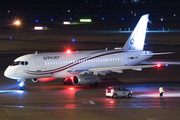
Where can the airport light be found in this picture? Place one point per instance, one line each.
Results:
(17, 22)
(162, 19)
(69, 23)
(40, 27)
(85, 20)
(73, 40)
(66, 23)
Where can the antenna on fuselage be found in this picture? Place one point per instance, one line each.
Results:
(36, 52)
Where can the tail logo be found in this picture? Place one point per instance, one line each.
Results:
(132, 41)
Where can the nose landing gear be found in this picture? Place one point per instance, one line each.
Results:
(21, 84)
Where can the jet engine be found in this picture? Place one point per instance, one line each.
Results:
(35, 80)
(85, 79)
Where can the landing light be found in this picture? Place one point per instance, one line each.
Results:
(21, 84)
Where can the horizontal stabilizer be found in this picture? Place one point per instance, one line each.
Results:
(159, 53)
(162, 63)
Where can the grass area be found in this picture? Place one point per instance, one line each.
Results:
(58, 37)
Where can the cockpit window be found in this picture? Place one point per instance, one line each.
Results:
(15, 63)
(22, 62)
(26, 63)
(19, 63)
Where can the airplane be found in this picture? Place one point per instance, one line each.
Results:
(83, 67)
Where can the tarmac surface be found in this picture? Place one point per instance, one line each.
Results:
(53, 100)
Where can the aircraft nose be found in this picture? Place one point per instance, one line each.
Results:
(8, 73)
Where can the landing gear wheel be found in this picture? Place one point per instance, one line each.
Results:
(22, 88)
(96, 84)
(67, 81)
(64, 82)
(129, 95)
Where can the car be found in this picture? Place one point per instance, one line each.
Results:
(115, 92)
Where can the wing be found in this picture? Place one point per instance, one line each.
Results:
(122, 68)
(104, 70)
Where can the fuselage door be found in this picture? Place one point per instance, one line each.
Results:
(38, 63)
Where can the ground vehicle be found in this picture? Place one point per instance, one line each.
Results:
(115, 92)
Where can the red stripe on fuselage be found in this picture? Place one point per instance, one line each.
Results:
(67, 66)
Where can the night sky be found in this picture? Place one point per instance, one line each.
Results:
(95, 9)
(81, 6)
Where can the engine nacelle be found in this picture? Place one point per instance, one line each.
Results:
(85, 79)
(35, 80)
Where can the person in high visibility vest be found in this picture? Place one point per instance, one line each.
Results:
(161, 91)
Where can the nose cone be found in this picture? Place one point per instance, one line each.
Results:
(8, 73)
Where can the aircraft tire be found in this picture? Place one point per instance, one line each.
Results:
(96, 84)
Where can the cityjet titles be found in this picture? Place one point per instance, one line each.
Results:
(51, 57)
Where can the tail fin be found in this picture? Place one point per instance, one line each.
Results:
(137, 37)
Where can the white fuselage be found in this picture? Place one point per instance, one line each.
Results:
(61, 64)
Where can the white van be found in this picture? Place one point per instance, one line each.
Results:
(115, 92)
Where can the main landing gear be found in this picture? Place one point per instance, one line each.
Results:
(96, 84)
(67, 81)
(21, 84)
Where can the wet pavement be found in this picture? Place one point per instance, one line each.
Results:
(83, 102)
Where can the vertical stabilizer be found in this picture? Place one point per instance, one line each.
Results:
(137, 37)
